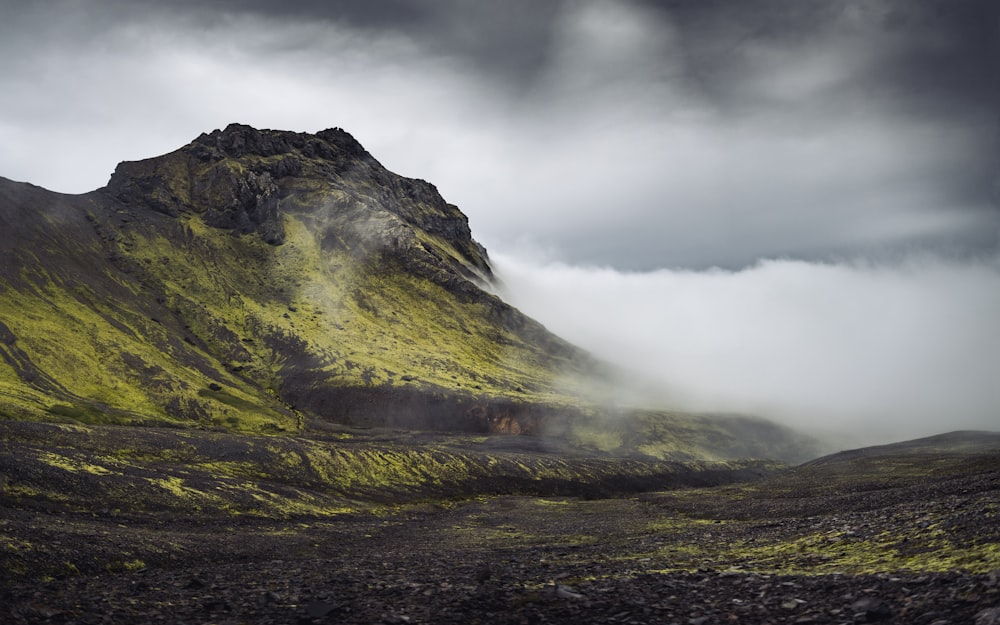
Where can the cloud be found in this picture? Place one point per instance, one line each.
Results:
(615, 133)
(877, 351)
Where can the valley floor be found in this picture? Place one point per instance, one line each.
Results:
(904, 538)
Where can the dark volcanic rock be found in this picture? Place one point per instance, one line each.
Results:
(677, 556)
(247, 203)
(239, 178)
(872, 609)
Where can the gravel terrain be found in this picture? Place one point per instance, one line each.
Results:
(912, 538)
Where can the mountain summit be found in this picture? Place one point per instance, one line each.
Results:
(245, 180)
(253, 278)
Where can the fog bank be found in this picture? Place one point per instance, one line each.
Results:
(878, 352)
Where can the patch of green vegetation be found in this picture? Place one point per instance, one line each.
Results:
(73, 465)
(828, 552)
(229, 399)
(15, 545)
(668, 434)
(689, 544)
(676, 524)
(672, 435)
(556, 503)
(591, 436)
(101, 354)
(67, 568)
(175, 486)
(81, 413)
(483, 534)
(304, 506)
(221, 474)
(821, 519)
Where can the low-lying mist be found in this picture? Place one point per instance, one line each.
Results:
(869, 352)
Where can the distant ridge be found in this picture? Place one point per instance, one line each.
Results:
(959, 442)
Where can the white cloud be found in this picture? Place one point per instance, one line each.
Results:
(152, 84)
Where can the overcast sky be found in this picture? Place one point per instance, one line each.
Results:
(781, 206)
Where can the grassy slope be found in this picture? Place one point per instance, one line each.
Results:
(108, 351)
(924, 505)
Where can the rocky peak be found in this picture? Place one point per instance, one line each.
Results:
(239, 140)
(244, 179)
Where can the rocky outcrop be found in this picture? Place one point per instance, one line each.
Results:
(244, 204)
(334, 145)
(242, 179)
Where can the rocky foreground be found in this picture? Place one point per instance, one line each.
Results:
(904, 535)
(446, 591)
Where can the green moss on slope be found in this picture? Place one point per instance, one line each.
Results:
(188, 323)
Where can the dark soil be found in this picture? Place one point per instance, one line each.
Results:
(911, 540)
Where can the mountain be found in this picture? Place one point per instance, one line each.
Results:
(263, 272)
(263, 280)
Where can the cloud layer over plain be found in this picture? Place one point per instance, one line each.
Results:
(881, 352)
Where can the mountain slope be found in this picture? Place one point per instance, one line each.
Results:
(258, 271)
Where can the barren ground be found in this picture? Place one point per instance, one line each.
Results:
(909, 535)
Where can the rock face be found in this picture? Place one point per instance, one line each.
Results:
(250, 204)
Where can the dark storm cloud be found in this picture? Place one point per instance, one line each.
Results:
(638, 134)
(508, 39)
(821, 106)
(930, 53)
(804, 111)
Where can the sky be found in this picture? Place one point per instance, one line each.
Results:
(785, 207)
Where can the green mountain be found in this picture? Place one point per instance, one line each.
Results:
(263, 281)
